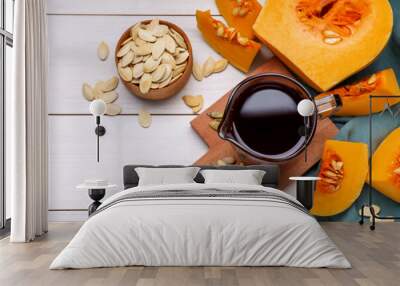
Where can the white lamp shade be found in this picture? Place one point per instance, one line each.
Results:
(97, 107)
(306, 107)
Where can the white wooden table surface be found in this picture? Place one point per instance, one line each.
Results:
(75, 28)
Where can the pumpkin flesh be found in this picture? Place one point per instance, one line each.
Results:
(237, 49)
(355, 97)
(240, 14)
(342, 177)
(325, 41)
(386, 166)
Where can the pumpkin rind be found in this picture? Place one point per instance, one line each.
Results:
(385, 166)
(243, 24)
(239, 55)
(332, 201)
(355, 97)
(303, 50)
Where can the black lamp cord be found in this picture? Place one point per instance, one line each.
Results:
(98, 136)
(306, 123)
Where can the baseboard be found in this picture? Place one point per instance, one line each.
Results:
(64, 216)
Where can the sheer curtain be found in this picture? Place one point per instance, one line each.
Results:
(27, 123)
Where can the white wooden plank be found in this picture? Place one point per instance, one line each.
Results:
(130, 7)
(72, 154)
(73, 60)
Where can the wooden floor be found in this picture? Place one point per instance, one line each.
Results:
(375, 257)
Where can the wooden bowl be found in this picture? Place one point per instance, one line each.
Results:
(171, 89)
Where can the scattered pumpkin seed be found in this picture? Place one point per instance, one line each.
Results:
(144, 118)
(113, 109)
(103, 51)
(214, 124)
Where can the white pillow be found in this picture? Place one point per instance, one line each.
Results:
(247, 177)
(165, 176)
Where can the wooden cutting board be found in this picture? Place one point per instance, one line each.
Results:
(219, 148)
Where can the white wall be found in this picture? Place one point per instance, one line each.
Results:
(75, 28)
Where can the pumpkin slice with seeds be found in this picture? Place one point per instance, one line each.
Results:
(240, 14)
(239, 50)
(343, 168)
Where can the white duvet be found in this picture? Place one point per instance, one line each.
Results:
(200, 231)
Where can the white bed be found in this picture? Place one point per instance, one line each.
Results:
(203, 230)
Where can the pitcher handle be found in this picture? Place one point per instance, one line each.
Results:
(328, 105)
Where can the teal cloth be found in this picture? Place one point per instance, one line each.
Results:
(356, 129)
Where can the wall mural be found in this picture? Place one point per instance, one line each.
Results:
(338, 52)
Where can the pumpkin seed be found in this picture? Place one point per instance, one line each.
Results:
(221, 163)
(139, 42)
(244, 41)
(220, 65)
(220, 31)
(110, 84)
(145, 58)
(87, 91)
(192, 100)
(208, 67)
(158, 48)
(165, 82)
(175, 77)
(170, 44)
(197, 71)
(372, 79)
(150, 64)
(154, 85)
(127, 41)
(160, 30)
(235, 11)
(153, 23)
(146, 35)
(103, 51)
(127, 58)
(168, 72)
(113, 109)
(332, 41)
(179, 68)
(216, 114)
(243, 11)
(99, 85)
(229, 160)
(138, 70)
(197, 108)
(125, 73)
(178, 38)
(145, 83)
(134, 31)
(182, 57)
(158, 74)
(109, 97)
(137, 59)
(214, 124)
(124, 50)
(142, 50)
(167, 58)
(144, 118)
(330, 34)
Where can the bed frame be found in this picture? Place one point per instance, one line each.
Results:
(271, 177)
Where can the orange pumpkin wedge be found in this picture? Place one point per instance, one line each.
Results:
(237, 49)
(325, 41)
(240, 14)
(386, 166)
(355, 97)
(344, 166)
